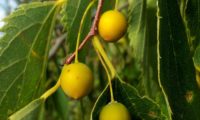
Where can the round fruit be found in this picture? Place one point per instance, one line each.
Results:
(112, 25)
(114, 111)
(76, 80)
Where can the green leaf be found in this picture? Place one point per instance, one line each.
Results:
(142, 33)
(23, 54)
(29, 112)
(108, 5)
(182, 7)
(196, 58)
(62, 104)
(138, 106)
(192, 17)
(140, 43)
(149, 80)
(149, 64)
(175, 66)
(72, 15)
(137, 35)
(137, 27)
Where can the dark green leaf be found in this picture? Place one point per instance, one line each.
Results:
(149, 65)
(23, 54)
(62, 104)
(139, 107)
(192, 16)
(176, 69)
(108, 5)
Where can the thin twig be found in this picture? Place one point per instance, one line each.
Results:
(58, 43)
(92, 32)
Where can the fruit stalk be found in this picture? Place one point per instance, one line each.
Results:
(80, 28)
(108, 75)
(110, 70)
(116, 3)
(99, 48)
(51, 91)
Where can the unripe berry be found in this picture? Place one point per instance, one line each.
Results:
(112, 25)
(114, 111)
(76, 80)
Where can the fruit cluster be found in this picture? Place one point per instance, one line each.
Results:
(76, 79)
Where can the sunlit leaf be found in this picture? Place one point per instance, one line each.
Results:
(23, 54)
(137, 27)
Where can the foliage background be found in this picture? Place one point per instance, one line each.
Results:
(154, 57)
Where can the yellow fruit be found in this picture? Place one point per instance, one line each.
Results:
(112, 25)
(114, 111)
(76, 80)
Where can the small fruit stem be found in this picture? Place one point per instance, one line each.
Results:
(116, 4)
(99, 51)
(108, 75)
(51, 91)
(80, 28)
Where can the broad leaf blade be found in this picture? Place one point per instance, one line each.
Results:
(62, 104)
(150, 71)
(29, 112)
(142, 33)
(176, 69)
(137, 27)
(139, 107)
(23, 54)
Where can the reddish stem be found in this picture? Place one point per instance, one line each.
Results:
(92, 32)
